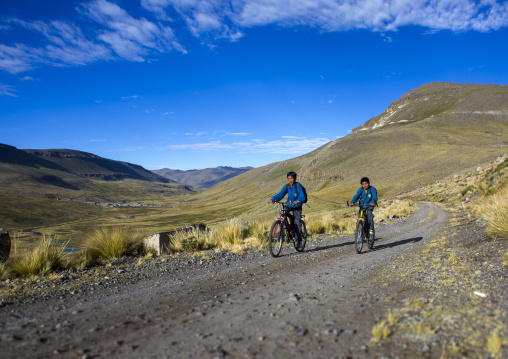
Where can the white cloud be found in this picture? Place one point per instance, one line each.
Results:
(287, 145)
(227, 18)
(27, 78)
(97, 140)
(133, 97)
(7, 90)
(104, 31)
(239, 134)
(130, 38)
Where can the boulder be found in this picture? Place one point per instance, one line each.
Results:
(5, 245)
(159, 242)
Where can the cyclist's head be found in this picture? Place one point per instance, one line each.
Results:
(365, 179)
(292, 174)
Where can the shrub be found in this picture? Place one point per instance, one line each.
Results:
(110, 243)
(41, 259)
(192, 240)
(398, 209)
(495, 212)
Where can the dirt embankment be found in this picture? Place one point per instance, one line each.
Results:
(321, 303)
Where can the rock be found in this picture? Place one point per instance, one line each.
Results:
(5, 245)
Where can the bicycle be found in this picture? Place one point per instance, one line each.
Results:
(362, 231)
(282, 231)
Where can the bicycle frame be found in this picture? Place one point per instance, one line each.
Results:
(283, 218)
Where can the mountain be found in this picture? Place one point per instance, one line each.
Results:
(31, 181)
(430, 133)
(88, 165)
(204, 178)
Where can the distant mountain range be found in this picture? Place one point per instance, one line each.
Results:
(204, 178)
(70, 173)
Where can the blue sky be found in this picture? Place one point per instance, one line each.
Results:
(193, 84)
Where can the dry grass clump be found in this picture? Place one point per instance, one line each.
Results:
(110, 243)
(193, 240)
(495, 211)
(43, 258)
(398, 209)
(330, 224)
(4, 271)
(381, 330)
(231, 235)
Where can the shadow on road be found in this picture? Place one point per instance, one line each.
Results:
(317, 249)
(395, 244)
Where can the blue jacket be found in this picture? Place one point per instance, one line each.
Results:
(365, 198)
(292, 195)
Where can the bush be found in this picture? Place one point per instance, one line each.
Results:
(398, 209)
(110, 243)
(44, 257)
(495, 212)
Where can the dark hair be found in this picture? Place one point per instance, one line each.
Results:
(365, 179)
(291, 174)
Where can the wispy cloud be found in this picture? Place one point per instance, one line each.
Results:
(97, 140)
(7, 90)
(216, 16)
(286, 145)
(130, 38)
(131, 97)
(238, 134)
(104, 31)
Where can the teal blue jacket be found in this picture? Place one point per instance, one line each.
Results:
(365, 199)
(293, 195)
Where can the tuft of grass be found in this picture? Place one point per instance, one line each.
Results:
(5, 272)
(495, 211)
(398, 209)
(111, 242)
(381, 330)
(43, 258)
(392, 318)
(494, 342)
(330, 224)
(193, 240)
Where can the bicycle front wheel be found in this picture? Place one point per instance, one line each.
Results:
(303, 240)
(359, 237)
(372, 237)
(275, 239)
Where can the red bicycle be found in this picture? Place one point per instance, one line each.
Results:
(282, 231)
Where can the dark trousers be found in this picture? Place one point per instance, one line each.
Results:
(367, 211)
(296, 221)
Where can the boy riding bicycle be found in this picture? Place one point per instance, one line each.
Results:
(296, 198)
(368, 200)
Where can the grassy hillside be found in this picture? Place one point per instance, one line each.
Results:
(440, 129)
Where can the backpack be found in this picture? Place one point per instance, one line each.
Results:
(304, 192)
(370, 191)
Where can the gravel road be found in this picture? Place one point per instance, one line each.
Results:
(317, 304)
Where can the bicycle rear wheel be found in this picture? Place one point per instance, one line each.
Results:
(276, 238)
(359, 237)
(303, 240)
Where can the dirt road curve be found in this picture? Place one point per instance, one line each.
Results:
(316, 304)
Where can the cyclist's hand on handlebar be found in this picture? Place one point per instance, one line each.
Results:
(351, 204)
(296, 202)
(372, 204)
(270, 201)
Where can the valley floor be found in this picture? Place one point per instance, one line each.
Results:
(322, 303)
